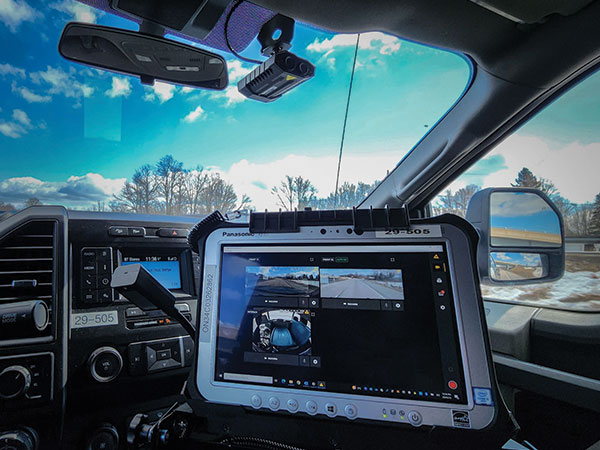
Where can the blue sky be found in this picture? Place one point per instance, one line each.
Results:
(560, 144)
(71, 135)
(82, 132)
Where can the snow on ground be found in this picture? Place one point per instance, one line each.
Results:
(578, 291)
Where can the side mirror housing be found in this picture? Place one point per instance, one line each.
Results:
(521, 236)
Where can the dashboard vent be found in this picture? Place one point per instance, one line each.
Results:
(27, 266)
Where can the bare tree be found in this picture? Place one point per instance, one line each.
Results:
(580, 219)
(217, 195)
(294, 192)
(170, 180)
(455, 203)
(285, 193)
(33, 201)
(7, 206)
(195, 182)
(146, 188)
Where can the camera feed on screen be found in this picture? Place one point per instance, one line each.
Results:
(362, 283)
(282, 331)
(282, 281)
(333, 321)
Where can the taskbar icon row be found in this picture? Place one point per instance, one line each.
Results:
(299, 383)
(407, 393)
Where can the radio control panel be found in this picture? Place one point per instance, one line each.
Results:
(96, 274)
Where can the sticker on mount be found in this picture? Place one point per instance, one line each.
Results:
(412, 232)
(483, 396)
(461, 419)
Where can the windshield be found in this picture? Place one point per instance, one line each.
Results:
(93, 140)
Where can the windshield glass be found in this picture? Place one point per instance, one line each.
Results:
(94, 140)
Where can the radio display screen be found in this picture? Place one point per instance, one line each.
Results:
(165, 269)
(353, 319)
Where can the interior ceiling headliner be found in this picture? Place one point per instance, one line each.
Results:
(536, 55)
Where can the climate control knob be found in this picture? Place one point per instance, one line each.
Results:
(14, 381)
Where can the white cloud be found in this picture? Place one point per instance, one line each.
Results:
(383, 43)
(121, 87)
(162, 92)
(61, 82)
(230, 94)
(194, 115)
(76, 191)
(29, 96)
(78, 11)
(19, 125)
(236, 71)
(15, 12)
(22, 117)
(572, 167)
(12, 130)
(319, 169)
(7, 69)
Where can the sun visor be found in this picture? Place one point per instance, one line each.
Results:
(244, 24)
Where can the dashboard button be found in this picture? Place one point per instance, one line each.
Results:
(172, 232)
(331, 409)
(88, 254)
(137, 231)
(105, 295)
(89, 268)
(150, 356)
(311, 407)
(274, 403)
(89, 281)
(118, 231)
(256, 401)
(188, 351)
(89, 296)
(105, 364)
(104, 267)
(163, 354)
(103, 253)
(350, 411)
(104, 281)
(415, 418)
(134, 312)
(292, 405)
(182, 307)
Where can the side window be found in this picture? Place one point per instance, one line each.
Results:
(558, 152)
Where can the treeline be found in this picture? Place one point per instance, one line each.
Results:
(168, 188)
(581, 219)
(299, 193)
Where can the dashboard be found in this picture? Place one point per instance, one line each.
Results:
(78, 361)
(84, 356)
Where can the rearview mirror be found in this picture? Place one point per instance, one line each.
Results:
(148, 57)
(521, 236)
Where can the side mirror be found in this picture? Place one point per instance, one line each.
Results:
(148, 57)
(521, 236)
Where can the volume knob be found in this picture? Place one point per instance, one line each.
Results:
(14, 381)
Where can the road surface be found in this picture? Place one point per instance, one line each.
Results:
(285, 287)
(358, 288)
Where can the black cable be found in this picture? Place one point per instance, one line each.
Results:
(226, 32)
(337, 178)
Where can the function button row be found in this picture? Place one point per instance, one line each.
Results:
(127, 231)
(311, 407)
